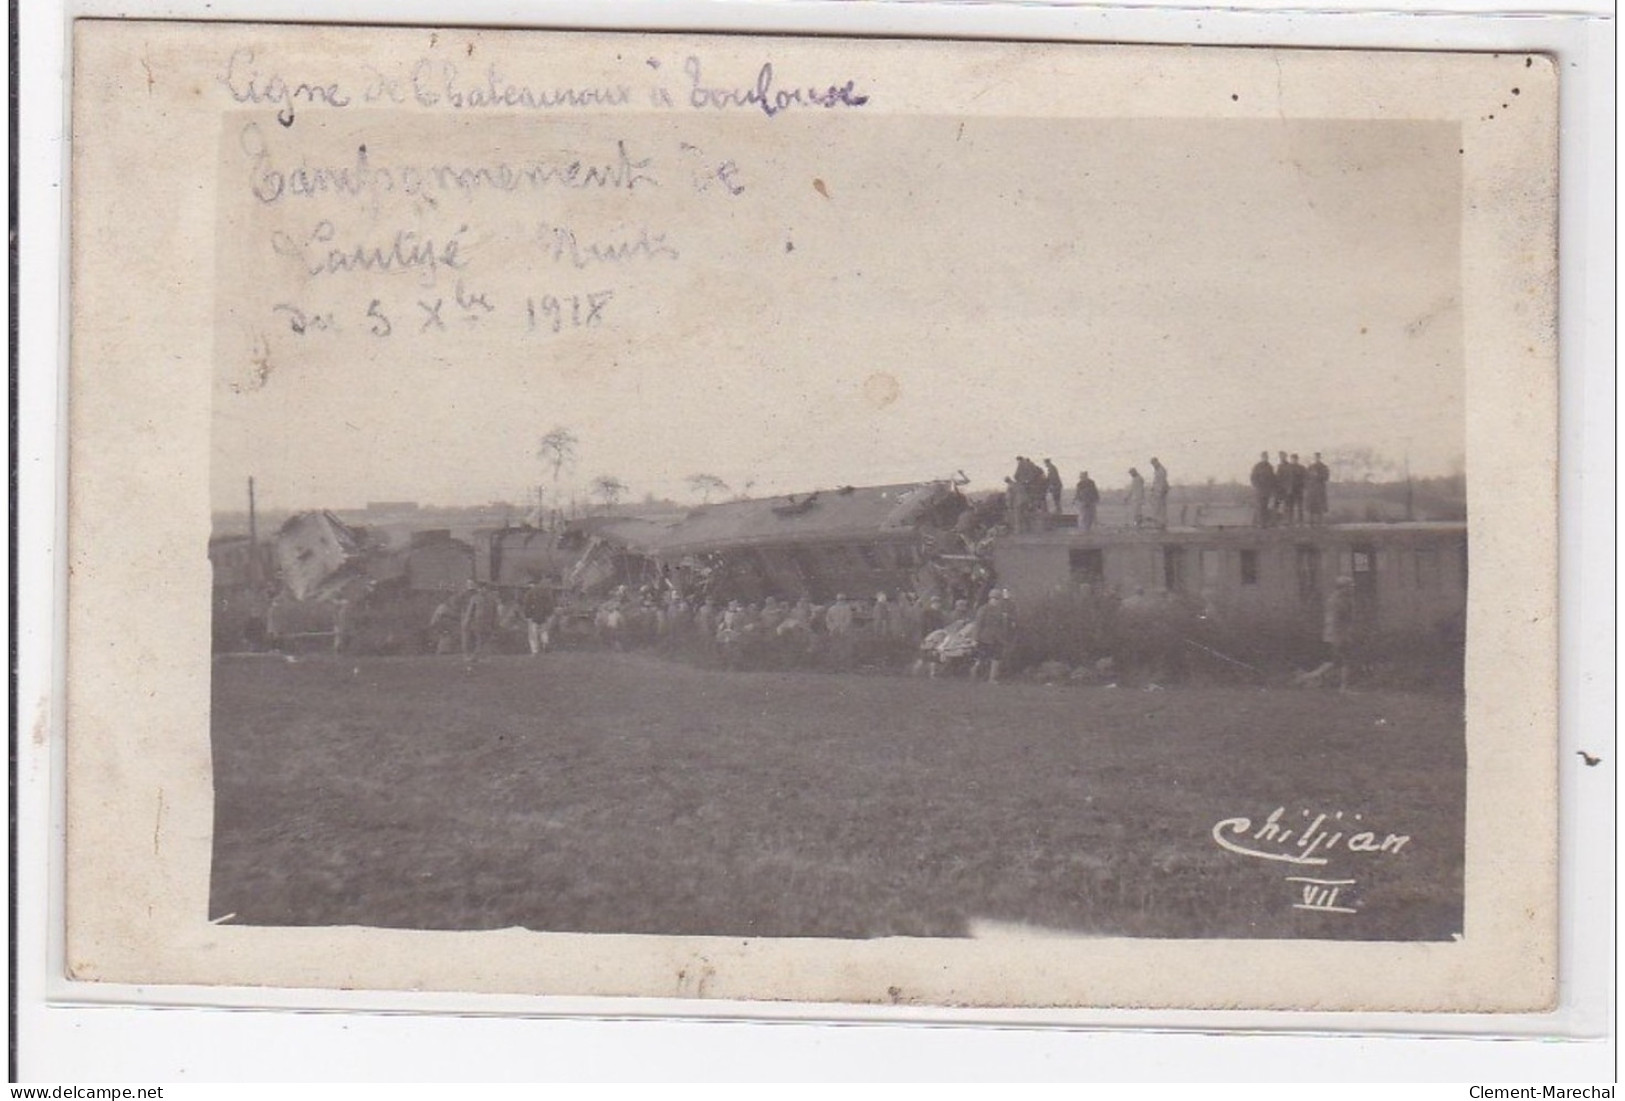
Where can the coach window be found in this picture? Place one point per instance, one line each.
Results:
(1211, 561)
(1249, 567)
(1173, 569)
(1088, 565)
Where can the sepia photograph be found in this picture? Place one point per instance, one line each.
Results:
(989, 570)
(847, 492)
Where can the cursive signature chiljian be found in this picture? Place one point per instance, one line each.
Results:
(1305, 842)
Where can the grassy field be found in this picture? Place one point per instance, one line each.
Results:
(622, 793)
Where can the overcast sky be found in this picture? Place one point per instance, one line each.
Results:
(884, 299)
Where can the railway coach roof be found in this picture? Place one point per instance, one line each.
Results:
(819, 516)
(1419, 531)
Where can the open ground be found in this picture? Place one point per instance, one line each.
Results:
(601, 792)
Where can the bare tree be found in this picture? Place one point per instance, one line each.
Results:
(558, 450)
(705, 485)
(1361, 464)
(608, 489)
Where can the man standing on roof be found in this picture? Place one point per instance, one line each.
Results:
(1135, 497)
(1030, 476)
(1283, 486)
(1053, 483)
(1263, 479)
(1295, 491)
(1159, 493)
(1086, 496)
(1315, 492)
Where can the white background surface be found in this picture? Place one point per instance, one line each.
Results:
(397, 1037)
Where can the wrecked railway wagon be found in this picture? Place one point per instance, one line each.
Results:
(857, 541)
(514, 557)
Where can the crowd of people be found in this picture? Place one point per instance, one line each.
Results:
(928, 634)
(1033, 490)
(1288, 492)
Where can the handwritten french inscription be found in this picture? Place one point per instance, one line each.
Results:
(425, 207)
(438, 83)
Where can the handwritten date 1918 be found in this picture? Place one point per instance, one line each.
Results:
(465, 308)
(555, 313)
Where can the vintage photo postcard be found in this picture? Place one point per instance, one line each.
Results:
(812, 520)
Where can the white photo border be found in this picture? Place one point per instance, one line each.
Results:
(52, 1012)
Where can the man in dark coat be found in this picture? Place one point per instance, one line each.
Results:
(1263, 479)
(1295, 491)
(1086, 496)
(1159, 493)
(1318, 475)
(1283, 485)
(1052, 482)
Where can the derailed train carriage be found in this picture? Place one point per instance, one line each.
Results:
(852, 541)
(1260, 592)
(1245, 590)
(317, 566)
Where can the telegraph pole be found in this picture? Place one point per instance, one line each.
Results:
(253, 537)
(1410, 493)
